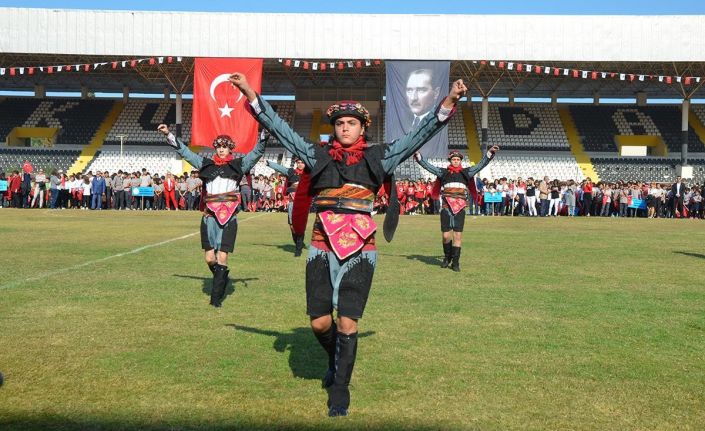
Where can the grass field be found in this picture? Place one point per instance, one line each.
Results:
(552, 324)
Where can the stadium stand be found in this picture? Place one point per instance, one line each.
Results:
(524, 128)
(562, 167)
(47, 159)
(139, 120)
(644, 169)
(13, 113)
(598, 126)
(158, 161)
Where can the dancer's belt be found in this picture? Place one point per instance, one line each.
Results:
(223, 205)
(324, 203)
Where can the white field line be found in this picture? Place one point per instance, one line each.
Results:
(93, 262)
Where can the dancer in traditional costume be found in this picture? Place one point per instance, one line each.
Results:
(220, 200)
(343, 178)
(455, 183)
(293, 175)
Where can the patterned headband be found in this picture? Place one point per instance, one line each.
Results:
(349, 108)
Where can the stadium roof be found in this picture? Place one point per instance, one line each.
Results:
(651, 46)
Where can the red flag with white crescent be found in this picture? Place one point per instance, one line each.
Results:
(218, 107)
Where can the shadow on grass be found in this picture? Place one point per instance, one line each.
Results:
(208, 283)
(288, 247)
(686, 253)
(307, 359)
(55, 422)
(428, 260)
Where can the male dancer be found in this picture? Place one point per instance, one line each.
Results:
(293, 175)
(455, 182)
(221, 176)
(344, 176)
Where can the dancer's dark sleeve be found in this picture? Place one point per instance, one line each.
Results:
(438, 172)
(400, 150)
(474, 170)
(250, 159)
(280, 129)
(194, 159)
(278, 168)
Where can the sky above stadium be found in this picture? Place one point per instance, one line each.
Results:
(520, 7)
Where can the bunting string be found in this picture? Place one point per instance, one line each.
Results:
(86, 67)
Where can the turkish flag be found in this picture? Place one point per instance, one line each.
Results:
(218, 107)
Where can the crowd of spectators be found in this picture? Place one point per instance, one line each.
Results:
(546, 197)
(105, 190)
(517, 197)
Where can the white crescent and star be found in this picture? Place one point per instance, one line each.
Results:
(225, 110)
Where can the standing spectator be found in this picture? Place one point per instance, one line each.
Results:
(97, 191)
(678, 191)
(40, 182)
(531, 197)
(606, 200)
(569, 197)
(245, 192)
(4, 194)
(14, 186)
(146, 181)
(587, 196)
(169, 191)
(86, 192)
(520, 192)
(54, 183)
(106, 203)
(119, 190)
(623, 201)
(159, 194)
(26, 187)
(543, 197)
(555, 195)
(191, 191)
(180, 193)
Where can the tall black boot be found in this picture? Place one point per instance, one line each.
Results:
(327, 340)
(339, 392)
(299, 241)
(220, 278)
(455, 266)
(447, 249)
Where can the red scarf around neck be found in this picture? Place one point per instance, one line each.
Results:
(453, 170)
(354, 152)
(298, 172)
(220, 161)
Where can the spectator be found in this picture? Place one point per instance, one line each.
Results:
(97, 191)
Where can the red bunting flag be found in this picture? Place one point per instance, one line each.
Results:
(687, 80)
(501, 65)
(50, 69)
(287, 63)
(86, 67)
(323, 66)
(668, 80)
(556, 71)
(151, 61)
(218, 107)
(340, 65)
(306, 65)
(575, 73)
(169, 59)
(114, 64)
(593, 75)
(537, 69)
(133, 63)
(520, 67)
(30, 71)
(358, 64)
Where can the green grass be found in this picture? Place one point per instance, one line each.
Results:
(552, 324)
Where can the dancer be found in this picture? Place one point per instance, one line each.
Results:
(293, 175)
(455, 182)
(221, 176)
(345, 175)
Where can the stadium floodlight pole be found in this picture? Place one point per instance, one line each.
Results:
(122, 138)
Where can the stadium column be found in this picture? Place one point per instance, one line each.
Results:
(179, 106)
(485, 108)
(684, 132)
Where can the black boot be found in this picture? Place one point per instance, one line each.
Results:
(220, 278)
(455, 266)
(299, 241)
(211, 267)
(339, 392)
(447, 249)
(327, 340)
